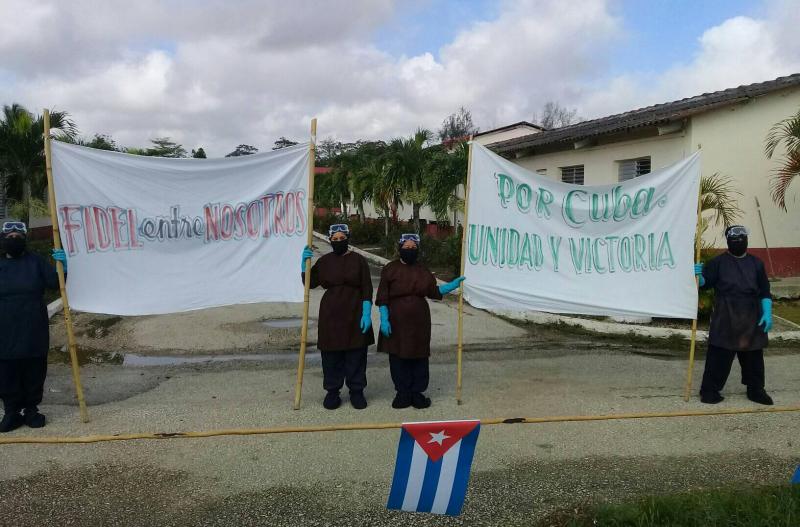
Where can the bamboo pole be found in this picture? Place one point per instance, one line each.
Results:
(764, 232)
(301, 365)
(460, 353)
(385, 426)
(693, 343)
(73, 348)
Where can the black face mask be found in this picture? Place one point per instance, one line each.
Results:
(14, 246)
(409, 256)
(737, 246)
(340, 246)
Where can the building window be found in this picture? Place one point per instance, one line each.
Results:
(572, 174)
(541, 171)
(633, 168)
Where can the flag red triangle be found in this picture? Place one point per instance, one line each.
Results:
(437, 437)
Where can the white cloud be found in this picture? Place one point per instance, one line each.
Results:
(220, 73)
(741, 50)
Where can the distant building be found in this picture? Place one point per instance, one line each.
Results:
(728, 126)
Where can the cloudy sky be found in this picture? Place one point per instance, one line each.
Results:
(216, 73)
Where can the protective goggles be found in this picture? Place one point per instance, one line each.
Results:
(339, 227)
(737, 231)
(14, 226)
(409, 237)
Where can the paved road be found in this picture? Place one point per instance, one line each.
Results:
(521, 472)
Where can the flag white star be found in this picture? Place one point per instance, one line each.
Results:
(438, 438)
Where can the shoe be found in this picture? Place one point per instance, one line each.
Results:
(11, 421)
(419, 401)
(711, 398)
(358, 400)
(332, 401)
(33, 419)
(401, 400)
(760, 396)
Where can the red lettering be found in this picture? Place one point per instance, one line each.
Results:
(226, 222)
(116, 227)
(88, 224)
(252, 220)
(289, 207)
(239, 229)
(279, 215)
(300, 210)
(70, 227)
(103, 226)
(212, 222)
(266, 214)
(133, 240)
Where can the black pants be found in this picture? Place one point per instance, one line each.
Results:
(409, 375)
(718, 367)
(341, 366)
(22, 383)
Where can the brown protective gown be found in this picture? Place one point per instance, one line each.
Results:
(404, 289)
(347, 283)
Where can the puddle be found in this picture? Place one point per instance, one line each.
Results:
(285, 323)
(131, 359)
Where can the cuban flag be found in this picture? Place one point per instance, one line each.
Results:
(433, 464)
(796, 477)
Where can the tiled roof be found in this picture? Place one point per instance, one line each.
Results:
(649, 116)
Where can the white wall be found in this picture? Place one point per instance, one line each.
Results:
(505, 135)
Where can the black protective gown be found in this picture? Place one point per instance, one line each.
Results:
(24, 326)
(739, 285)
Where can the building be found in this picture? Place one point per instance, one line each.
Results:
(729, 126)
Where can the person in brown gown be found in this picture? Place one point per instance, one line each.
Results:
(406, 321)
(345, 320)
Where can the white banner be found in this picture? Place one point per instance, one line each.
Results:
(542, 245)
(147, 235)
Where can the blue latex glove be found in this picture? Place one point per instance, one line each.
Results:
(386, 328)
(366, 316)
(450, 286)
(307, 255)
(766, 316)
(698, 272)
(60, 256)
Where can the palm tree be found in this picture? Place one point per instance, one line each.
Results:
(718, 203)
(447, 172)
(22, 160)
(788, 132)
(408, 164)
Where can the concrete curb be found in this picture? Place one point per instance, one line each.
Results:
(54, 307)
(611, 328)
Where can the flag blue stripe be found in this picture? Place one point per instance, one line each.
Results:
(796, 478)
(462, 472)
(429, 485)
(405, 450)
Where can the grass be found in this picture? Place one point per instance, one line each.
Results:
(771, 506)
(788, 309)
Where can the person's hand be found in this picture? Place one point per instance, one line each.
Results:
(60, 255)
(451, 286)
(307, 255)
(386, 327)
(366, 316)
(766, 314)
(698, 272)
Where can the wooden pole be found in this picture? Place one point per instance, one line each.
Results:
(764, 232)
(301, 365)
(73, 348)
(693, 344)
(460, 353)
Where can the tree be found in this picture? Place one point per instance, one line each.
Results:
(786, 132)
(283, 143)
(199, 153)
(553, 115)
(102, 142)
(243, 150)
(22, 162)
(165, 147)
(457, 126)
(718, 197)
(447, 171)
(407, 165)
